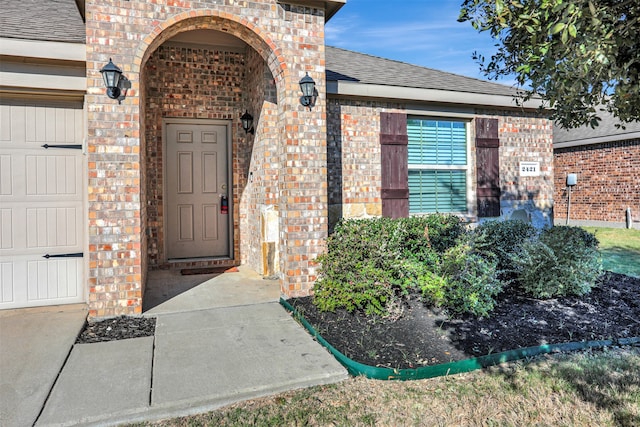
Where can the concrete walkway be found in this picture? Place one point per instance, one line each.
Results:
(198, 360)
(34, 345)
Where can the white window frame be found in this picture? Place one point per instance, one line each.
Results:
(463, 118)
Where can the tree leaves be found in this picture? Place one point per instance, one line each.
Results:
(575, 54)
(557, 28)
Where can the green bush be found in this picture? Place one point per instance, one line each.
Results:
(356, 272)
(471, 281)
(416, 242)
(562, 261)
(498, 240)
(567, 236)
(444, 230)
(432, 288)
(370, 264)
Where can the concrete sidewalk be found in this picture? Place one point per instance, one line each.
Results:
(34, 345)
(197, 361)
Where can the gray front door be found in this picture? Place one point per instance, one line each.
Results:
(197, 190)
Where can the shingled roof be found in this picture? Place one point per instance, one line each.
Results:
(606, 131)
(349, 66)
(46, 20)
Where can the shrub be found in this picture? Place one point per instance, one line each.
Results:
(370, 264)
(498, 240)
(567, 236)
(355, 272)
(416, 241)
(444, 230)
(562, 261)
(432, 288)
(471, 280)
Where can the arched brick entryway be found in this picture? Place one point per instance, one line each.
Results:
(281, 169)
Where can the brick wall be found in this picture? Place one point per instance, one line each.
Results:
(353, 146)
(354, 160)
(290, 39)
(608, 182)
(259, 171)
(525, 137)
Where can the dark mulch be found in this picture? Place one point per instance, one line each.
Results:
(117, 329)
(424, 336)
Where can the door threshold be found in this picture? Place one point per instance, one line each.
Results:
(205, 259)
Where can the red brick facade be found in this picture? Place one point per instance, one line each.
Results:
(608, 182)
(355, 166)
(125, 218)
(299, 162)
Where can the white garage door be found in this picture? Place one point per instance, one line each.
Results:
(42, 221)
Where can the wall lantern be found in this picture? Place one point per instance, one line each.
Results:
(247, 122)
(308, 88)
(115, 81)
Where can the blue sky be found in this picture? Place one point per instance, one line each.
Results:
(421, 32)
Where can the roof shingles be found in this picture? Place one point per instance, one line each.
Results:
(606, 127)
(345, 65)
(46, 20)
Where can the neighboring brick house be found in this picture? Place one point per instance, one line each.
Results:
(169, 179)
(606, 161)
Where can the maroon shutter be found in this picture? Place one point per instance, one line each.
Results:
(395, 175)
(488, 167)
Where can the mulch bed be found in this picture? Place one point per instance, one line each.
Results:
(425, 336)
(118, 328)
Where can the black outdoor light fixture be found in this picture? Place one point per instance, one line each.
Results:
(308, 88)
(247, 122)
(115, 81)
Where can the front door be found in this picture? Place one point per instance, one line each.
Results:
(198, 197)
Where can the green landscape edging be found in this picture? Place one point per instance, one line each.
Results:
(355, 368)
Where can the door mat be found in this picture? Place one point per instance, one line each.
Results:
(208, 270)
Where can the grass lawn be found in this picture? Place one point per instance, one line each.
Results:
(599, 388)
(620, 249)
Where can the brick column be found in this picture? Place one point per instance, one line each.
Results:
(303, 192)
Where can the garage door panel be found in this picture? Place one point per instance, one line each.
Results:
(52, 279)
(52, 174)
(46, 228)
(5, 123)
(6, 175)
(6, 229)
(31, 282)
(42, 199)
(55, 228)
(6, 282)
(30, 122)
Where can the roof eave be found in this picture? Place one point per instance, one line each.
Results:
(426, 95)
(597, 140)
(331, 7)
(43, 49)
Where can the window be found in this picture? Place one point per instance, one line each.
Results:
(437, 163)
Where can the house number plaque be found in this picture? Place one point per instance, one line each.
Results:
(529, 168)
